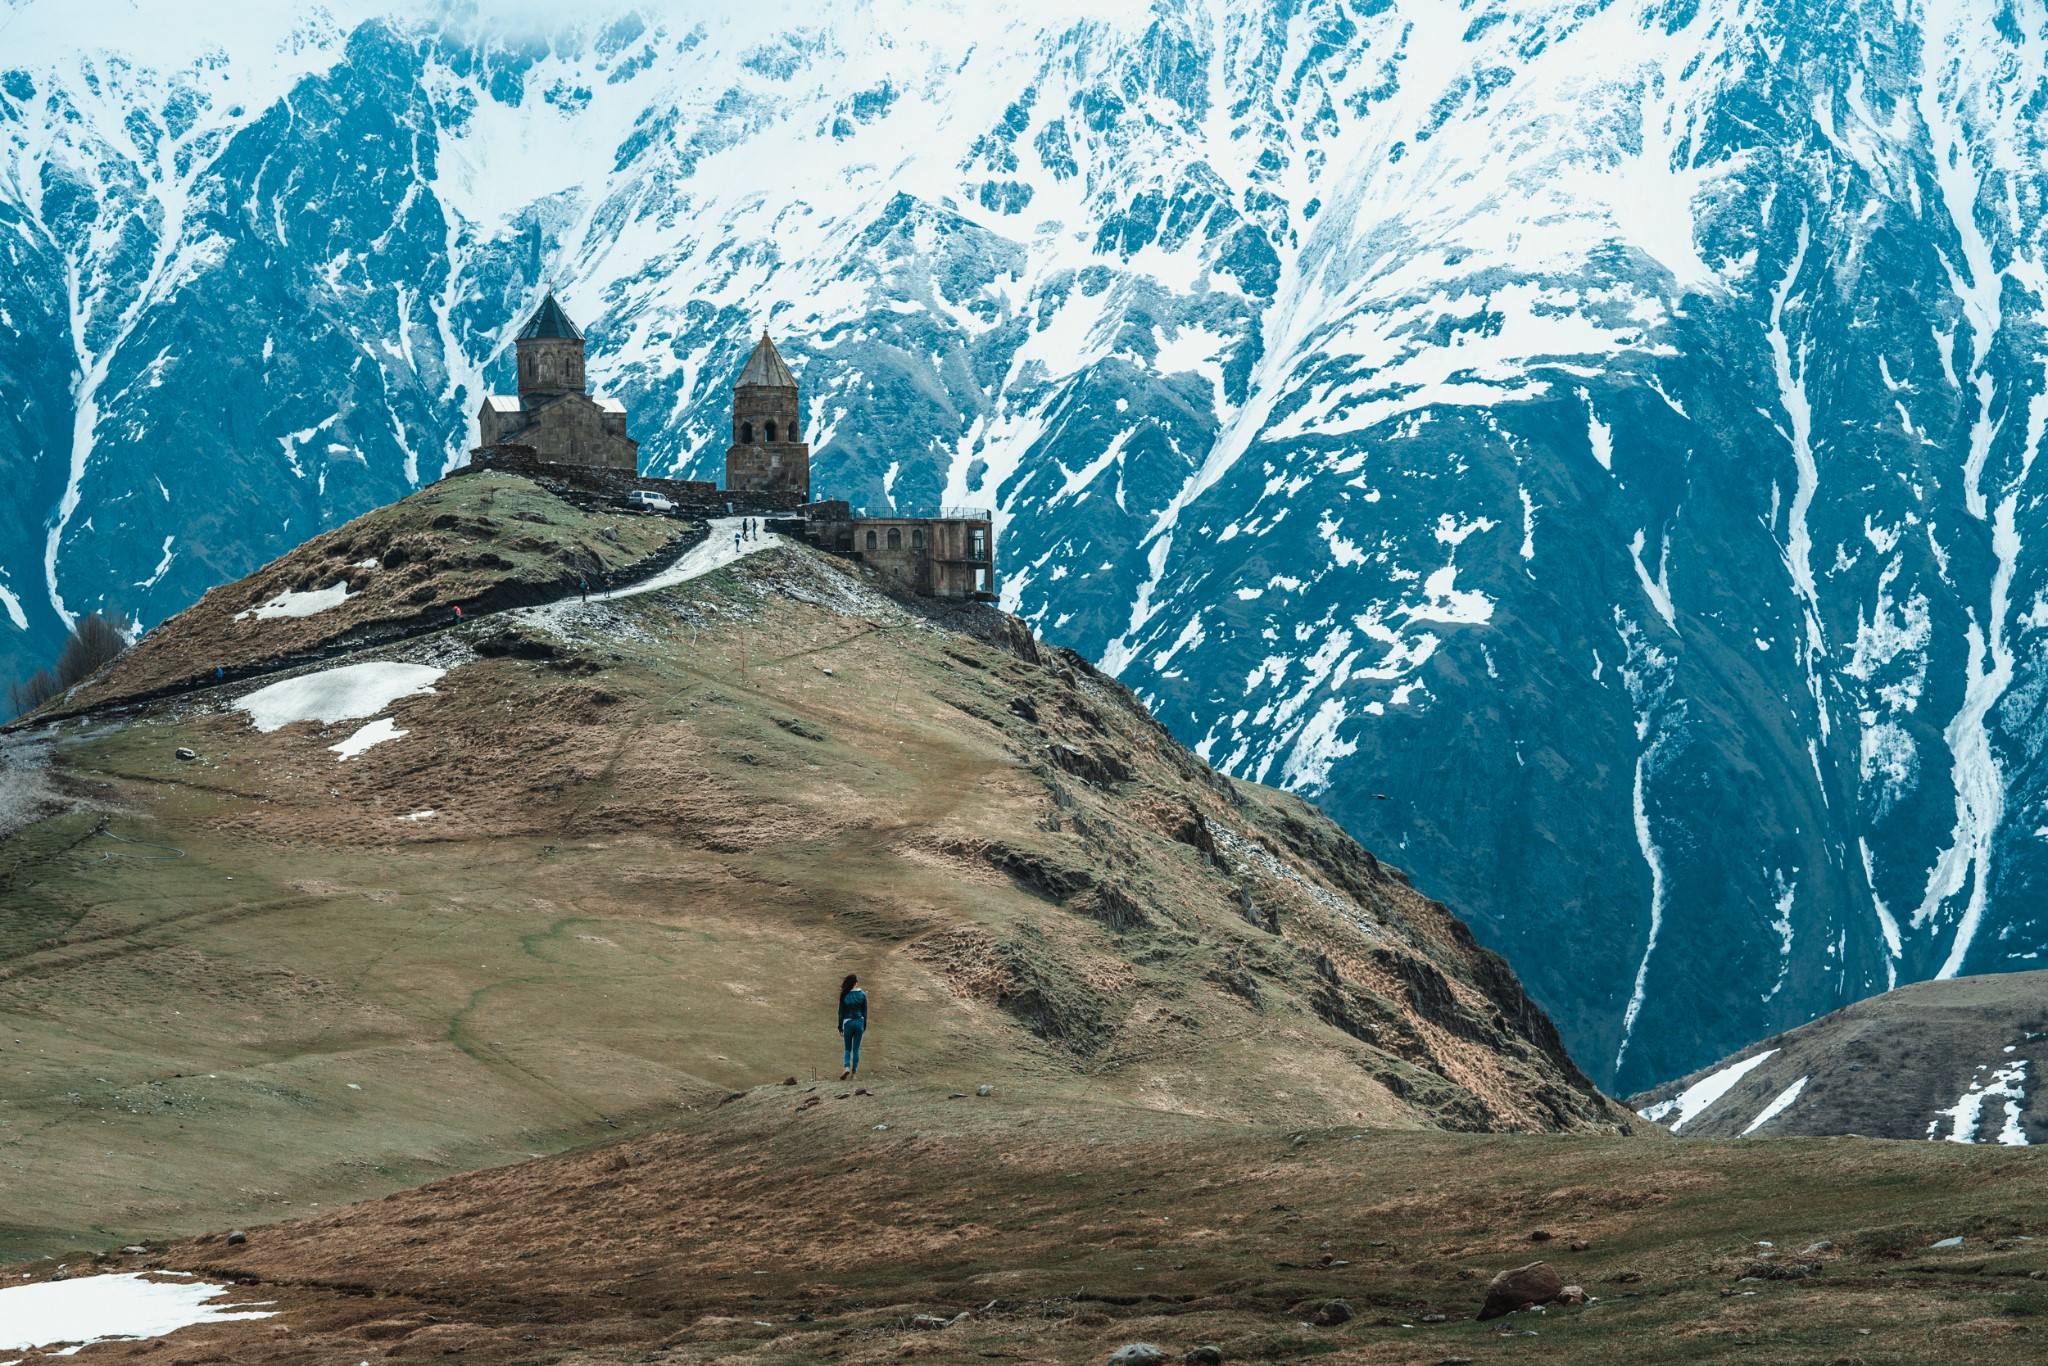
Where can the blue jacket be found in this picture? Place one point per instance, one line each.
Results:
(853, 1006)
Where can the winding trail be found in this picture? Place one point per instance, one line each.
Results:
(715, 551)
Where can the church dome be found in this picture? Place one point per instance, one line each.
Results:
(765, 370)
(549, 321)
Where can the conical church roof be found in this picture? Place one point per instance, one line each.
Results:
(550, 321)
(765, 369)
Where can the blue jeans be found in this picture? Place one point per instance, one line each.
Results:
(853, 1029)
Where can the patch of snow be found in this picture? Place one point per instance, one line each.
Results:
(1448, 603)
(1599, 434)
(376, 733)
(350, 693)
(292, 603)
(98, 1308)
(162, 565)
(1966, 1116)
(425, 815)
(1696, 1099)
(1658, 590)
(1777, 1107)
(13, 606)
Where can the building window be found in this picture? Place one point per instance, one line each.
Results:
(917, 538)
(895, 538)
(746, 433)
(871, 540)
(771, 429)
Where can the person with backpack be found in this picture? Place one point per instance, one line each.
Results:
(853, 1022)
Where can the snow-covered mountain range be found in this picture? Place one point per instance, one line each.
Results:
(1605, 430)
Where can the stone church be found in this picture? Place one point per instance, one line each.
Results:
(554, 414)
(556, 428)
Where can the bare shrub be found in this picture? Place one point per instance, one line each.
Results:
(95, 643)
(26, 695)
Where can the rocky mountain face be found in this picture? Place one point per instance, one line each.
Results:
(1604, 431)
(1953, 1060)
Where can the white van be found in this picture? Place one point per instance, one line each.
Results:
(647, 498)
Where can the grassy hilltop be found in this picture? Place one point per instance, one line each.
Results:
(552, 973)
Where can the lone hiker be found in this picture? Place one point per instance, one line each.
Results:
(735, 541)
(458, 614)
(853, 1021)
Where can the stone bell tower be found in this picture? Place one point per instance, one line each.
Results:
(767, 454)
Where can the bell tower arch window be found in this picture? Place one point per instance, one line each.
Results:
(771, 429)
(746, 433)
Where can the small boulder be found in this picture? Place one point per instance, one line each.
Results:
(1138, 1354)
(1572, 1294)
(1541, 1235)
(1452, 1361)
(1947, 1242)
(184, 753)
(1208, 1354)
(927, 1323)
(1579, 1245)
(789, 1081)
(1822, 1246)
(236, 1238)
(984, 1090)
(1333, 1312)
(1522, 1288)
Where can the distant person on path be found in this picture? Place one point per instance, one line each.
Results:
(736, 542)
(853, 1021)
(458, 614)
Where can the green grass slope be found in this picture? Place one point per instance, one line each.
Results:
(617, 863)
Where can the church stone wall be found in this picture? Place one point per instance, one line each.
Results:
(575, 430)
(780, 468)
